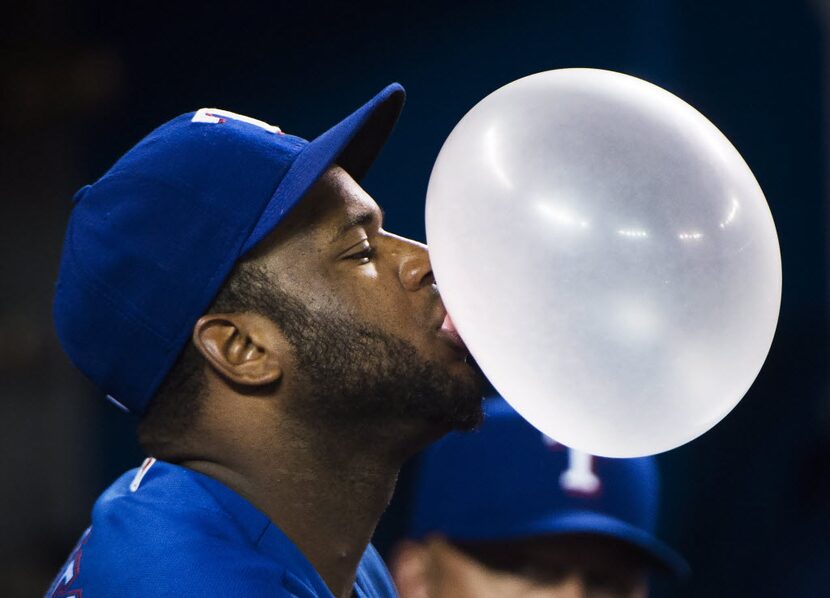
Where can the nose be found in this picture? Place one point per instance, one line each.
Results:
(415, 269)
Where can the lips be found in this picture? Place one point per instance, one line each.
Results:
(449, 331)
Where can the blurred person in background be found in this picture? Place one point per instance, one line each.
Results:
(505, 511)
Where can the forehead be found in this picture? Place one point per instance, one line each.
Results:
(334, 203)
(347, 203)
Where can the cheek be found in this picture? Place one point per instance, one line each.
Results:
(385, 304)
(373, 294)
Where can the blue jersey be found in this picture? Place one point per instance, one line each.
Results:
(166, 531)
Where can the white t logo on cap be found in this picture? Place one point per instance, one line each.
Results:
(579, 477)
(218, 116)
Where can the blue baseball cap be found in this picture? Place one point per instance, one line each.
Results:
(508, 481)
(149, 245)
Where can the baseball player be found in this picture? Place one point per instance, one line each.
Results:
(232, 286)
(505, 512)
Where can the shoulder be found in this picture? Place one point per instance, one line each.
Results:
(161, 512)
(108, 563)
(168, 537)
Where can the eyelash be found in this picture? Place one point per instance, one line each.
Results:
(367, 254)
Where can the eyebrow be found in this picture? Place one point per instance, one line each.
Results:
(356, 219)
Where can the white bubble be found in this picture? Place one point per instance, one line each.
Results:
(607, 256)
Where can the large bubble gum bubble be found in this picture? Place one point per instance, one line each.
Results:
(607, 256)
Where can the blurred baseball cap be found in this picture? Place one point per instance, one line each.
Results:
(149, 245)
(508, 481)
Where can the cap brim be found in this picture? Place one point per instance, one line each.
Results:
(588, 522)
(353, 143)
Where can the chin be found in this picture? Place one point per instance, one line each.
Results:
(464, 409)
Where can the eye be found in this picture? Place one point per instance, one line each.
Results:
(364, 256)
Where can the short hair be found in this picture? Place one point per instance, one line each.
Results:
(178, 401)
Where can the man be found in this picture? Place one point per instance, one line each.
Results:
(506, 512)
(233, 286)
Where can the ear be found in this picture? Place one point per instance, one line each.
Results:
(409, 565)
(240, 346)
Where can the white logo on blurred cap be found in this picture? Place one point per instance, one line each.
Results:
(580, 477)
(219, 116)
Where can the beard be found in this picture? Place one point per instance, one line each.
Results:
(360, 376)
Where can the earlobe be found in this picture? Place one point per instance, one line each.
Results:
(240, 347)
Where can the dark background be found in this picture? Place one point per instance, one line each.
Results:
(748, 503)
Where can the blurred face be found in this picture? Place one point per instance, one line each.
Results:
(582, 566)
(367, 325)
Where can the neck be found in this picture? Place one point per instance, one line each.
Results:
(326, 490)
